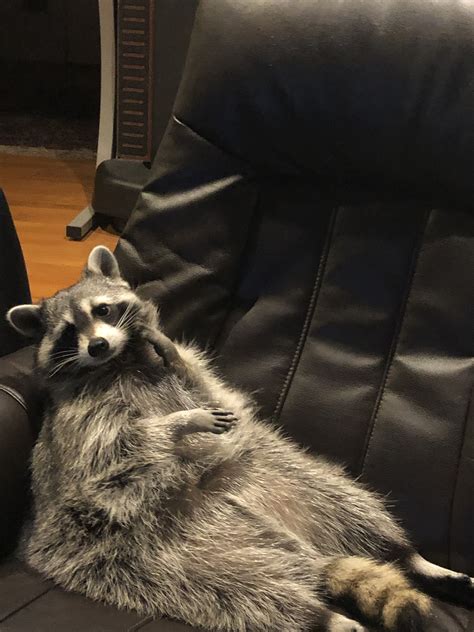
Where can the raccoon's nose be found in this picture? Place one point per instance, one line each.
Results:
(97, 347)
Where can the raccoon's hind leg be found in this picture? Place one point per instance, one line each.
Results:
(235, 576)
(339, 623)
(440, 582)
(261, 590)
(377, 591)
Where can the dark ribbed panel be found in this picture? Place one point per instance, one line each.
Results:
(462, 510)
(276, 291)
(416, 447)
(135, 78)
(336, 383)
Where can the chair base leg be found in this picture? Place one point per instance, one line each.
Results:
(84, 222)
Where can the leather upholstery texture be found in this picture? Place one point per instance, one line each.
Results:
(310, 219)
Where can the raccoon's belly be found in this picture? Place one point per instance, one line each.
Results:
(73, 534)
(82, 550)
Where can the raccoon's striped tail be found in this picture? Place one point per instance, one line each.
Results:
(377, 591)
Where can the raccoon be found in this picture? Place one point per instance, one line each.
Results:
(156, 487)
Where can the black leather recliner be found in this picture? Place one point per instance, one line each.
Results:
(310, 217)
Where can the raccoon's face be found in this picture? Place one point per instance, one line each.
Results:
(88, 324)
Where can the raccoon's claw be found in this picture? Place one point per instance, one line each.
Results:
(221, 427)
(213, 420)
(222, 416)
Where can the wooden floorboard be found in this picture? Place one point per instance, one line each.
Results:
(44, 194)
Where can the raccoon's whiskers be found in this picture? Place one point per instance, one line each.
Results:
(124, 315)
(59, 355)
(126, 326)
(59, 368)
(126, 323)
(62, 364)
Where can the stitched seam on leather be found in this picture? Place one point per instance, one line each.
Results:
(393, 345)
(24, 605)
(243, 259)
(456, 476)
(308, 318)
(15, 395)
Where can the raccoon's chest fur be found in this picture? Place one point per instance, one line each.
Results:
(96, 427)
(93, 408)
(80, 473)
(131, 395)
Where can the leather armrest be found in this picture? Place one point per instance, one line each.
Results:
(19, 421)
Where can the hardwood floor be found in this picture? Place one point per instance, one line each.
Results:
(44, 194)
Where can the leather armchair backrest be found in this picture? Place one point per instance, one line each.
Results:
(310, 218)
(357, 92)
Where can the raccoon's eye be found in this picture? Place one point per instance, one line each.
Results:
(101, 310)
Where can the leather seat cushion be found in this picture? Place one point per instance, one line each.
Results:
(30, 604)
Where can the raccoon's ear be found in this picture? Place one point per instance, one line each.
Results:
(102, 261)
(26, 319)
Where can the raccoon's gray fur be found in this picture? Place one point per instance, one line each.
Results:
(139, 504)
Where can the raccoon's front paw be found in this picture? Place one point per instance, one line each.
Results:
(166, 349)
(215, 420)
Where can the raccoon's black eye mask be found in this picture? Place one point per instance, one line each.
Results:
(68, 340)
